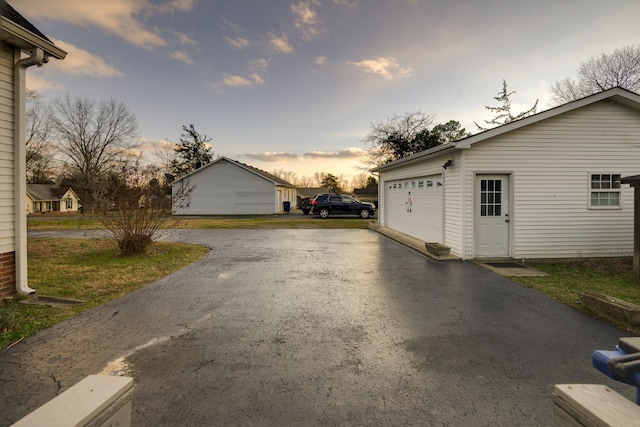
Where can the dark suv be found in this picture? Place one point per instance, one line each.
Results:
(340, 204)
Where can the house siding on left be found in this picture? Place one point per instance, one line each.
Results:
(7, 227)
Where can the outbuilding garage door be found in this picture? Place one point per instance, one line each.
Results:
(414, 207)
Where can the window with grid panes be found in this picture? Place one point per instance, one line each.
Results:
(604, 190)
(490, 197)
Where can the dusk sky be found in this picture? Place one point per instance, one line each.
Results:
(294, 85)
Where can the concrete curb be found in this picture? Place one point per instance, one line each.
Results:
(412, 242)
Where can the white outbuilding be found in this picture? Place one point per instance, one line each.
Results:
(228, 187)
(547, 186)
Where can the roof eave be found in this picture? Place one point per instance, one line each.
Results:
(617, 94)
(432, 152)
(25, 39)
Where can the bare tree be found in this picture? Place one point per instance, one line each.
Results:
(136, 207)
(38, 133)
(618, 69)
(318, 177)
(503, 114)
(360, 180)
(307, 182)
(398, 137)
(286, 175)
(93, 138)
(407, 134)
(165, 151)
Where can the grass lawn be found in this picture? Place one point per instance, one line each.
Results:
(89, 270)
(567, 279)
(87, 222)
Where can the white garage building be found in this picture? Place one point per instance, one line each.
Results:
(547, 186)
(228, 187)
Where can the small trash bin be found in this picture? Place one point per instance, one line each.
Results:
(287, 206)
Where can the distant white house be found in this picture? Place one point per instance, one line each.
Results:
(51, 198)
(547, 186)
(228, 187)
(21, 46)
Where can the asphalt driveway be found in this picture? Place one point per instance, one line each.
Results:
(318, 327)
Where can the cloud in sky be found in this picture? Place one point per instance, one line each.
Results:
(181, 55)
(307, 20)
(346, 153)
(259, 64)
(281, 43)
(234, 80)
(238, 42)
(38, 83)
(184, 39)
(271, 157)
(347, 3)
(117, 17)
(387, 67)
(174, 6)
(81, 62)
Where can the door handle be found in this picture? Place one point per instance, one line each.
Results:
(506, 220)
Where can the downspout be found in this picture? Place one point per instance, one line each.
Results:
(444, 201)
(37, 57)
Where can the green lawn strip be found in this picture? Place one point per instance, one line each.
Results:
(88, 270)
(74, 223)
(78, 222)
(567, 279)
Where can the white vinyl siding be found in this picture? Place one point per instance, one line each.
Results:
(224, 188)
(7, 225)
(550, 163)
(453, 219)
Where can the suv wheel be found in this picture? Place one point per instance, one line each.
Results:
(364, 214)
(306, 211)
(324, 213)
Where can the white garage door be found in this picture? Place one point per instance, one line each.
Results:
(414, 207)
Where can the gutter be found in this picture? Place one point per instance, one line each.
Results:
(37, 57)
(25, 39)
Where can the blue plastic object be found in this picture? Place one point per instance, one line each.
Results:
(621, 364)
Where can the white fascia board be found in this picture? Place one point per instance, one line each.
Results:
(24, 39)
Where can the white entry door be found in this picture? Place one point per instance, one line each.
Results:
(492, 216)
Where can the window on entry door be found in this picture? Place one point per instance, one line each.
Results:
(490, 197)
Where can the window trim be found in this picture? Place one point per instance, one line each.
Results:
(590, 191)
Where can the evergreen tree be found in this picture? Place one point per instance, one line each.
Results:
(192, 152)
(502, 112)
(331, 182)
